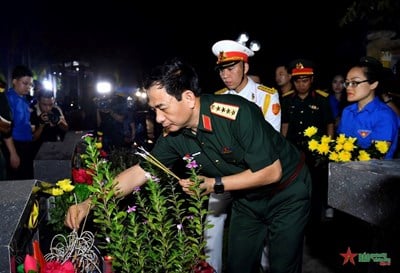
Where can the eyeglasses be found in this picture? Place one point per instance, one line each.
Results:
(353, 83)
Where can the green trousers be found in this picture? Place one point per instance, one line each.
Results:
(285, 214)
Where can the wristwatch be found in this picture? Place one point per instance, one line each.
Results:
(218, 185)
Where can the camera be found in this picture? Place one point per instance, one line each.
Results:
(103, 103)
(53, 118)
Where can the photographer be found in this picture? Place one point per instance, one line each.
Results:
(48, 120)
(111, 113)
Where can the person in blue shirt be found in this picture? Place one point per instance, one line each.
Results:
(337, 97)
(368, 118)
(21, 151)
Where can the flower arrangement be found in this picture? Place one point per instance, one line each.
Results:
(69, 251)
(342, 148)
(64, 194)
(159, 229)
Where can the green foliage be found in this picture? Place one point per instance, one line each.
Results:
(156, 229)
(61, 200)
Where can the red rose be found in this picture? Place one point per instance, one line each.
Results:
(57, 267)
(103, 154)
(79, 175)
(204, 267)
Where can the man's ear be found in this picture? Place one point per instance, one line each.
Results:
(189, 97)
(246, 67)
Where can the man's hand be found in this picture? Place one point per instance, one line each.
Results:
(76, 213)
(186, 184)
(207, 186)
(5, 127)
(44, 118)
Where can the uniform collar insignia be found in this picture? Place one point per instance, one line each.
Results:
(207, 123)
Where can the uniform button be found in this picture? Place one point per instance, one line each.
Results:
(301, 111)
(216, 161)
(301, 122)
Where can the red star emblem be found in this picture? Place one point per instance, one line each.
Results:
(348, 256)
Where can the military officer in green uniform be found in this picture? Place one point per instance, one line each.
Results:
(238, 151)
(306, 107)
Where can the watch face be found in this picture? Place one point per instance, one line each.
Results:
(218, 186)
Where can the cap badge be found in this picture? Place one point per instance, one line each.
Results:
(222, 56)
(299, 66)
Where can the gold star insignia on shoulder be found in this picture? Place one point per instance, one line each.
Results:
(224, 110)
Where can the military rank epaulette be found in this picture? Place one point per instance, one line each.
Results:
(267, 89)
(322, 93)
(288, 93)
(222, 91)
(224, 110)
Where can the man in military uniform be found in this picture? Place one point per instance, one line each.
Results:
(233, 67)
(307, 107)
(237, 151)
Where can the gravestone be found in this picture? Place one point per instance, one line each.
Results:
(16, 201)
(53, 162)
(368, 190)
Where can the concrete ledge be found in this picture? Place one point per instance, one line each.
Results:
(369, 190)
(53, 162)
(16, 201)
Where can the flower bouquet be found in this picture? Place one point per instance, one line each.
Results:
(158, 228)
(342, 148)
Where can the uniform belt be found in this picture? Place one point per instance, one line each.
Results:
(284, 184)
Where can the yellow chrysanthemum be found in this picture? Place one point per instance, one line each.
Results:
(56, 191)
(338, 147)
(323, 148)
(99, 145)
(66, 185)
(326, 139)
(310, 131)
(352, 139)
(363, 156)
(334, 157)
(313, 145)
(349, 145)
(382, 146)
(344, 156)
(340, 139)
